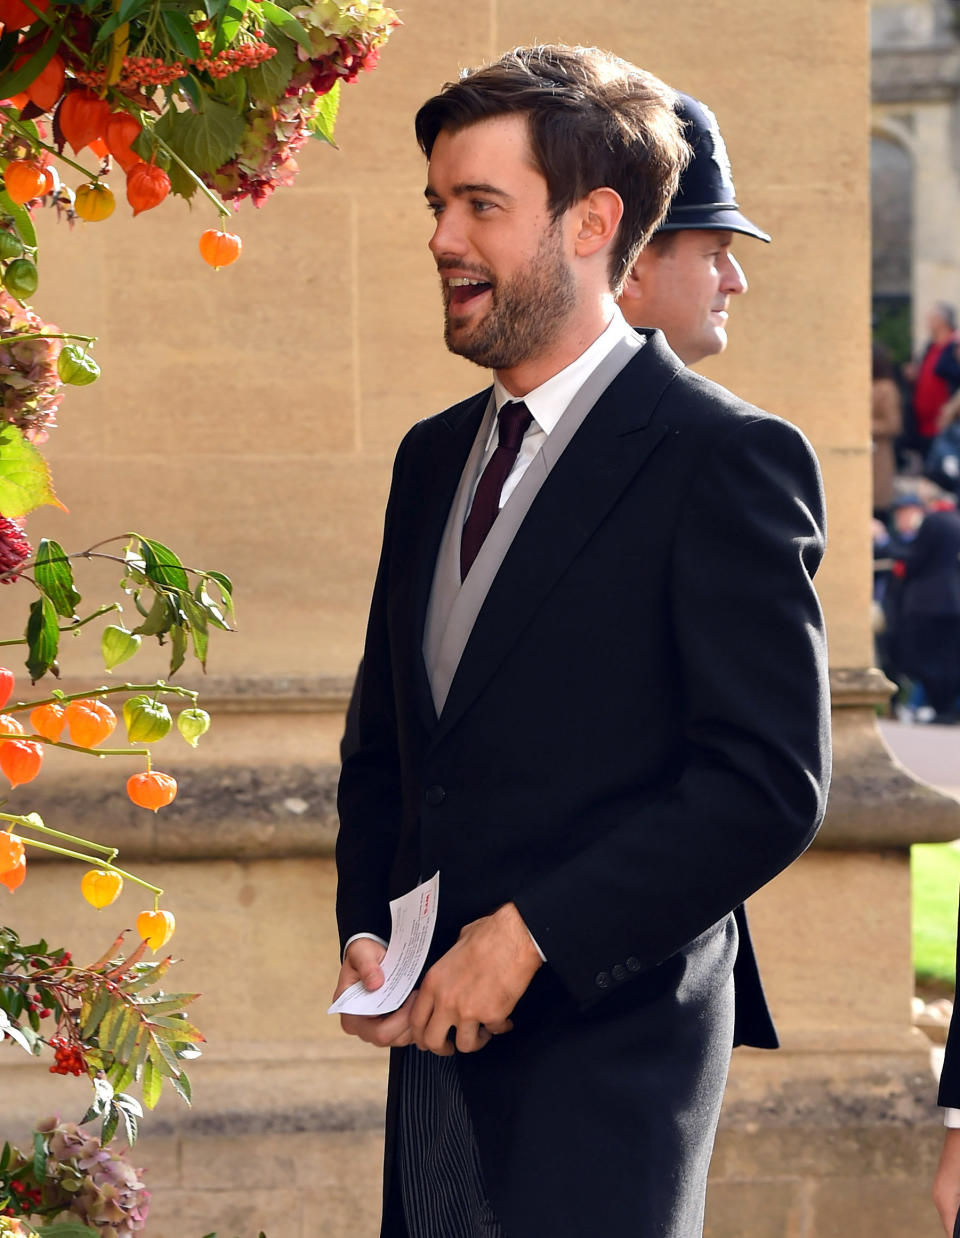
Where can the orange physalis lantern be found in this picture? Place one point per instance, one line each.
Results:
(152, 789)
(20, 760)
(218, 248)
(83, 117)
(121, 131)
(156, 927)
(147, 186)
(24, 181)
(48, 721)
(90, 721)
(47, 87)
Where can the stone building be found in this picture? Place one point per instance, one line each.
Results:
(249, 419)
(915, 162)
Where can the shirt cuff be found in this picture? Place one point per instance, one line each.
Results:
(543, 957)
(380, 941)
(951, 1118)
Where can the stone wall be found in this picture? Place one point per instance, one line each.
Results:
(249, 418)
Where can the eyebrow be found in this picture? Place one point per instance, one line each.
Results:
(462, 190)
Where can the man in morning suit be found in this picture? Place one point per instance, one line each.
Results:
(594, 693)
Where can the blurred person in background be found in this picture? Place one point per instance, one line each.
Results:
(886, 425)
(933, 375)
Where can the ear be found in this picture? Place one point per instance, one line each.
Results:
(598, 217)
(635, 285)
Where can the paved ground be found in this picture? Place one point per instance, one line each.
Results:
(930, 752)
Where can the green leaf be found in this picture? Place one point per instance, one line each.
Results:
(43, 638)
(152, 1084)
(54, 575)
(232, 90)
(161, 565)
(181, 33)
(324, 118)
(231, 18)
(97, 1010)
(24, 476)
(21, 219)
(15, 1033)
(132, 8)
(269, 80)
(181, 182)
(39, 1156)
(110, 1124)
(153, 973)
(13, 81)
(162, 613)
(205, 139)
(199, 628)
(178, 647)
(181, 1085)
(67, 1229)
(287, 23)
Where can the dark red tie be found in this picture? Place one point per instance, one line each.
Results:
(513, 420)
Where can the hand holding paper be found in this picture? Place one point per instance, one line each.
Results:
(412, 922)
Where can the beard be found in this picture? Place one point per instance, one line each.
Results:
(528, 310)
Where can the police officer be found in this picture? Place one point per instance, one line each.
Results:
(684, 279)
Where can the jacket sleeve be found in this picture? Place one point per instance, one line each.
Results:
(949, 1094)
(369, 795)
(753, 674)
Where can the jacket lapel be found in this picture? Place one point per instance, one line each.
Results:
(454, 433)
(604, 456)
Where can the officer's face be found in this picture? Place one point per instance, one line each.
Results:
(684, 288)
(508, 288)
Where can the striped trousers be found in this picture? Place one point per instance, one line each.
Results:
(439, 1166)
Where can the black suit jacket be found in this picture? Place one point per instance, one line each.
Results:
(949, 1093)
(636, 739)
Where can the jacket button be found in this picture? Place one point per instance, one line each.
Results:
(619, 972)
(633, 964)
(603, 981)
(435, 795)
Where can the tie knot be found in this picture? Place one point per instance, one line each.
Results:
(513, 419)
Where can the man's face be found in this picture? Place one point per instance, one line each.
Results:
(508, 284)
(685, 290)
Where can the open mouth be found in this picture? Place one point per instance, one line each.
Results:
(462, 290)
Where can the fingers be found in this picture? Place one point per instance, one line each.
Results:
(363, 957)
(388, 1031)
(471, 1037)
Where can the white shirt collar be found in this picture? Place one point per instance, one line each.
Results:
(548, 402)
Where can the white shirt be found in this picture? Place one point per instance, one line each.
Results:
(547, 404)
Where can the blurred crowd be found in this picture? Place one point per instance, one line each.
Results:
(916, 525)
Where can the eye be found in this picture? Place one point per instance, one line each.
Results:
(434, 208)
(481, 205)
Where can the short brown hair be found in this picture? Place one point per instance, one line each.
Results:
(595, 120)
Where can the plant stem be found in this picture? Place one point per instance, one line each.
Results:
(103, 690)
(60, 743)
(217, 202)
(91, 859)
(15, 124)
(46, 335)
(29, 824)
(104, 610)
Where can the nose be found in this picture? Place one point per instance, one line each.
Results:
(733, 281)
(447, 240)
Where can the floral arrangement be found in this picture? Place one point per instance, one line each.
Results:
(213, 99)
(70, 1176)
